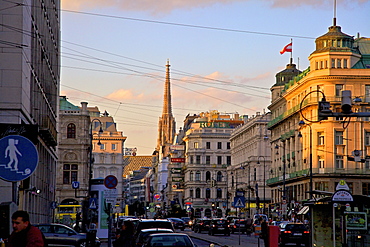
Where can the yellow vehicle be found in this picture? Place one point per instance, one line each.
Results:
(66, 214)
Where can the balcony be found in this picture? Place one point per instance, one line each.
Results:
(48, 132)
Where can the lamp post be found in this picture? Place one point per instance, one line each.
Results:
(301, 124)
(284, 189)
(264, 180)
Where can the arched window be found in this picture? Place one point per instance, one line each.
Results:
(197, 193)
(71, 130)
(219, 176)
(208, 193)
(219, 193)
(197, 176)
(191, 176)
(208, 175)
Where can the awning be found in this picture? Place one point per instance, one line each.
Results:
(304, 210)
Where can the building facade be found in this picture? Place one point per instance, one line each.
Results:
(29, 91)
(311, 153)
(207, 155)
(251, 161)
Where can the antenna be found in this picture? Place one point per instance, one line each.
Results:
(335, 13)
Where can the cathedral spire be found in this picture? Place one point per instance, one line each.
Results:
(167, 124)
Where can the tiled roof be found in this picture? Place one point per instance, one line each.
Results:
(134, 163)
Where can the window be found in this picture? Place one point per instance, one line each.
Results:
(191, 159)
(228, 160)
(114, 146)
(197, 193)
(71, 130)
(321, 162)
(338, 90)
(69, 173)
(219, 160)
(208, 176)
(339, 63)
(367, 93)
(219, 176)
(191, 193)
(219, 193)
(320, 138)
(197, 161)
(196, 145)
(367, 164)
(208, 159)
(345, 61)
(191, 176)
(102, 146)
(338, 137)
(333, 63)
(228, 145)
(366, 189)
(197, 176)
(208, 193)
(219, 145)
(367, 138)
(339, 161)
(208, 145)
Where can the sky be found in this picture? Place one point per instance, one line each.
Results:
(224, 54)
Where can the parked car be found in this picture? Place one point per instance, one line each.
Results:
(219, 226)
(169, 239)
(294, 233)
(144, 234)
(178, 223)
(201, 225)
(62, 235)
(187, 221)
(239, 225)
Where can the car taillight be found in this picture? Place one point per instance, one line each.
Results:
(213, 225)
(306, 232)
(287, 232)
(234, 226)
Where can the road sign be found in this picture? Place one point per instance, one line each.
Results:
(176, 170)
(177, 179)
(110, 182)
(239, 202)
(18, 159)
(110, 193)
(75, 185)
(93, 203)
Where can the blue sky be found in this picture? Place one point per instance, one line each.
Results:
(224, 54)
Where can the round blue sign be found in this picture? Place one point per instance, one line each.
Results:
(18, 159)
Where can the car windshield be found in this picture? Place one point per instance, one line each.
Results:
(170, 240)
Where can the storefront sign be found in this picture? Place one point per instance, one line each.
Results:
(342, 196)
(214, 125)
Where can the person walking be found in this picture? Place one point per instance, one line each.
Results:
(24, 234)
(264, 232)
(125, 237)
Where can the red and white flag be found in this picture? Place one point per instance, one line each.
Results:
(287, 48)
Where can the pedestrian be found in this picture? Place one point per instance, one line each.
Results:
(24, 234)
(264, 232)
(125, 236)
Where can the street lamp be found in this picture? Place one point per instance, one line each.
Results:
(301, 124)
(284, 171)
(264, 180)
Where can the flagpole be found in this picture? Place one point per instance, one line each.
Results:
(291, 53)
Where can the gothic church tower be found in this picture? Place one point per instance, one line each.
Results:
(167, 124)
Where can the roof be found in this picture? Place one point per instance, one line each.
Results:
(363, 45)
(65, 105)
(134, 163)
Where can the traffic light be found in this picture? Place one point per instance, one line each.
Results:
(346, 102)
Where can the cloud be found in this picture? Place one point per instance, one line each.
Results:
(122, 94)
(166, 6)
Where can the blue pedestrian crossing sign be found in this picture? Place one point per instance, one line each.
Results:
(18, 158)
(93, 203)
(239, 202)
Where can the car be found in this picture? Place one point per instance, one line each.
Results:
(169, 239)
(219, 226)
(201, 225)
(144, 234)
(187, 221)
(152, 223)
(178, 223)
(294, 233)
(260, 216)
(62, 235)
(239, 225)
